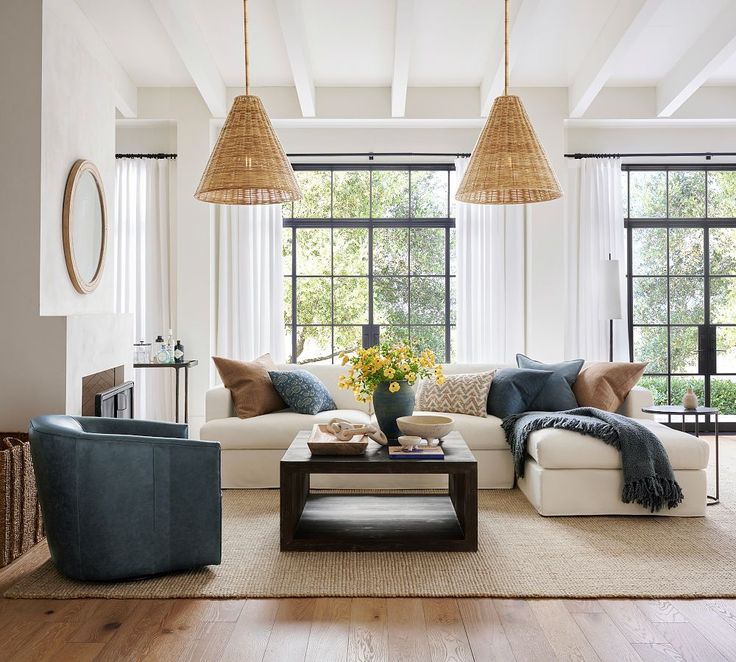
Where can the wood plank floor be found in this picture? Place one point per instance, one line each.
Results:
(361, 629)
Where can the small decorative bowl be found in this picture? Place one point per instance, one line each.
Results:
(427, 427)
(409, 443)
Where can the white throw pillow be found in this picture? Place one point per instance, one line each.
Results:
(460, 394)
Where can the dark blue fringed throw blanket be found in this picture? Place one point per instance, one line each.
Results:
(648, 477)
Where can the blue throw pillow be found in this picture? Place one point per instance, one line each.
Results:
(557, 393)
(513, 390)
(302, 391)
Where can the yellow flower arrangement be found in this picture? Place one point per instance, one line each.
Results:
(367, 368)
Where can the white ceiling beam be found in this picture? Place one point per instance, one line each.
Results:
(291, 18)
(180, 22)
(628, 19)
(521, 21)
(402, 53)
(716, 45)
(124, 90)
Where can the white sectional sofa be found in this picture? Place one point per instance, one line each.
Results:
(567, 473)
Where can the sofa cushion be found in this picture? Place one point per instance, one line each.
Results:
(605, 385)
(302, 391)
(480, 434)
(565, 449)
(513, 390)
(273, 431)
(463, 394)
(249, 385)
(557, 394)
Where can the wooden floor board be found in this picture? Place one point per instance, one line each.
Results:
(525, 634)
(330, 633)
(606, 639)
(252, 630)
(290, 633)
(562, 632)
(486, 635)
(445, 631)
(368, 639)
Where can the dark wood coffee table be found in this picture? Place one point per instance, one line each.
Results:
(379, 522)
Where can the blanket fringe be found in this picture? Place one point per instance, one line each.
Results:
(654, 493)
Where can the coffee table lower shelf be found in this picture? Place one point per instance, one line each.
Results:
(378, 523)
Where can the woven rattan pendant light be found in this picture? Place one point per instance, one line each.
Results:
(248, 166)
(508, 165)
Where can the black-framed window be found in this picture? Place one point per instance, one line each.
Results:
(681, 228)
(368, 256)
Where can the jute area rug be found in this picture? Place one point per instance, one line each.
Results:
(521, 554)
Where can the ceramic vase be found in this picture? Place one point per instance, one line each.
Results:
(390, 406)
(690, 400)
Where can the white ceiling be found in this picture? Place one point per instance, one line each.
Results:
(351, 43)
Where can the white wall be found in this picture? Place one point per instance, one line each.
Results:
(57, 106)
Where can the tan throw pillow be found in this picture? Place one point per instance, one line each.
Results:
(250, 386)
(460, 394)
(606, 385)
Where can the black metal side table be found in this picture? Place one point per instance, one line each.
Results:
(184, 365)
(679, 410)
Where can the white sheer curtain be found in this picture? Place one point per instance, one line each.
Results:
(595, 228)
(490, 280)
(142, 249)
(249, 298)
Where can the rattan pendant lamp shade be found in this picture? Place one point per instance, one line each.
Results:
(248, 166)
(508, 165)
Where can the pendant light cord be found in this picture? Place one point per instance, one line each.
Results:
(506, 49)
(245, 44)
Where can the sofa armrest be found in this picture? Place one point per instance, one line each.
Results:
(218, 404)
(638, 397)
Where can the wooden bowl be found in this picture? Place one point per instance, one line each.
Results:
(427, 427)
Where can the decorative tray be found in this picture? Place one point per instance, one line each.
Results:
(322, 442)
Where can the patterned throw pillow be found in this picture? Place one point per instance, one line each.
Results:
(460, 394)
(302, 391)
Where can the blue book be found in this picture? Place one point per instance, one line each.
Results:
(422, 453)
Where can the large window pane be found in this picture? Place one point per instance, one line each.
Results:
(687, 193)
(390, 194)
(650, 301)
(648, 193)
(316, 194)
(625, 192)
(686, 251)
(350, 251)
(390, 251)
(686, 301)
(427, 251)
(351, 194)
(722, 194)
(287, 301)
(313, 301)
(680, 385)
(429, 194)
(723, 300)
(722, 244)
(313, 252)
(351, 300)
(394, 334)
(348, 339)
(429, 337)
(684, 349)
(427, 301)
(650, 346)
(649, 247)
(658, 387)
(391, 300)
(286, 249)
(314, 344)
(723, 395)
(726, 349)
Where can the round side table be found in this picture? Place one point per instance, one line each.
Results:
(679, 410)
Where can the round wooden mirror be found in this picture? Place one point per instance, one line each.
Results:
(84, 226)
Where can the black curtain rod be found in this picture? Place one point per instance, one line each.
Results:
(371, 155)
(707, 155)
(160, 155)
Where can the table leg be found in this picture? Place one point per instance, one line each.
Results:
(294, 492)
(176, 397)
(697, 426)
(713, 500)
(463, 489)
(186, 395)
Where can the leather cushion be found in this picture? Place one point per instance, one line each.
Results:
(250, 386)
(565, 449)
(605, 385)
